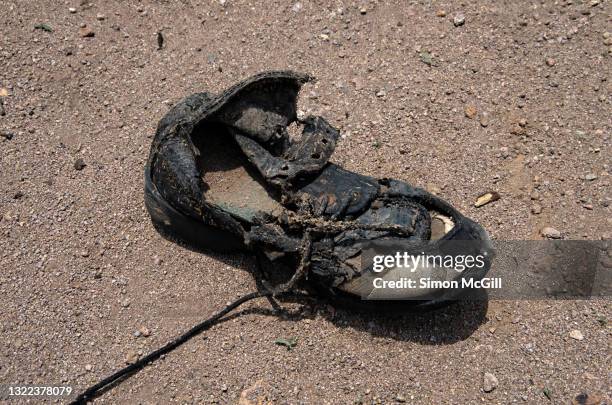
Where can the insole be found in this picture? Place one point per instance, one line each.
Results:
(231, 182)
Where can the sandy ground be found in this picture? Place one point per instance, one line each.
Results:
(517, 100)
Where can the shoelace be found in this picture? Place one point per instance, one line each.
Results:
(312, 225)
(270, 293)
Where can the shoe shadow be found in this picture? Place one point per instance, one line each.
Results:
(446, 324)
(453, 322)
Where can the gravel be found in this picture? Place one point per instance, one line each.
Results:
(470, 111)
(100, 99)
(576, 334)
(489, 382)
(86, 32)
(79, 164)
(459, 20)
(551, 233)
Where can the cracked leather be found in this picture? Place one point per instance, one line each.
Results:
(257, 113)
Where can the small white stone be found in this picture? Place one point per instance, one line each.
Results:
(489, 382)
(576, 334)
(551, 233)
(72, 10)
(459, 20)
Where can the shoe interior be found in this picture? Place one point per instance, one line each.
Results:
(230, 181)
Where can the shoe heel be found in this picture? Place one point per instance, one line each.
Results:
(177, 227)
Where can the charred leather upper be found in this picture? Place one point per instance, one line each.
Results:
(256, 114)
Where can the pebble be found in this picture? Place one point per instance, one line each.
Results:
(100, 17)
(144, 331)
(434, 189)
(551, 62)
(517, 130)
(400, 398)
(381, 93)
(79, 164)
(125, 303)
(536, 209)
(551, 233)
(485, 119)
(489, 382)
(363, 10)
(441, 13)
(470, 111)
(487, 198)
(86, 32)
(72, 10)
(586, 399)
(590, 177)
(7, 135)
(88, 367)
(131, 357)
(296, 7)
(459, 20)
(576, 334)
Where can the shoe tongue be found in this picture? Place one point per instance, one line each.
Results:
(305, 156)
(258, 111)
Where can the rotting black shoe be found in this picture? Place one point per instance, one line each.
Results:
(225, 174)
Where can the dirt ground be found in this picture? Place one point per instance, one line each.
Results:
(515, 98)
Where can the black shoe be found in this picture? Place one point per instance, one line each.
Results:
(224, 174)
